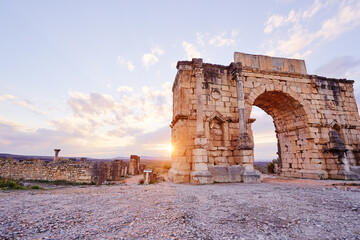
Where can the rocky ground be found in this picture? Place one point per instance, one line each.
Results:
(274, 209)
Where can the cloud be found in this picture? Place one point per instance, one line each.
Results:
(200, 39)
(121, 60)
(150, 59)
(99, 125)
(21, 102)
(103, 122)
(234, 33)
(347, 18)
(125, 89)
(276, 21)
(265, 151)
(205, 40)
(157, 50)
(191, 50)
(42, 142)
(130, 66)
(220, 40)
(299, 37)
(340, 67)
(314, 8)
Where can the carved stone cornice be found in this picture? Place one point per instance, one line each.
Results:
(235, 70)
(177, 118)
(198, 72)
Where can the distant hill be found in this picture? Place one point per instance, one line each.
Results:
(261, 166)
(25, 157)
(50, 158)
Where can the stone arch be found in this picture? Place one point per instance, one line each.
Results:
(256, 92)
(291, 127)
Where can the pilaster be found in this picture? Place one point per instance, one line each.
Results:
(200, 173)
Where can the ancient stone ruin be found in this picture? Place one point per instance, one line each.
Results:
(316, 120)
(70, 170)
(56, 157)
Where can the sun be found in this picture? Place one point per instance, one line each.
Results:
(170, 148)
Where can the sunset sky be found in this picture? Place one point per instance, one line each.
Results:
(94, 78)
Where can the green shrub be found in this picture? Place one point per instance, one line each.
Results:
(271, 167)
(7, 184)
(60, 182)
(10, 184)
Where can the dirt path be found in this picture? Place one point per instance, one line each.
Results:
(133, 180)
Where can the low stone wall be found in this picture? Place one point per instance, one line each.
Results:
(68, 170)
(79, 172)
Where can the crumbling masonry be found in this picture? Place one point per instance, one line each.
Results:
(316, 120)
(71, 170)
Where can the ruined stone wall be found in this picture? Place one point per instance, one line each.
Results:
(72, 171)
(80, 172)
(316, 119)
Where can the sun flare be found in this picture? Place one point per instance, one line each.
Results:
(170, 148)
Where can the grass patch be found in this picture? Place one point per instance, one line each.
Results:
(61, 182)
(7, 184)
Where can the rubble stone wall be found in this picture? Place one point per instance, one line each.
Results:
(72, 171)
(79, 172)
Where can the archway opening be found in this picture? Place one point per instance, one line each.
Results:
(264, 136)
(289, 120)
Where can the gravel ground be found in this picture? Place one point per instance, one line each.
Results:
(274, 209)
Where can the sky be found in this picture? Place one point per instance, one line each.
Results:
(94, 78)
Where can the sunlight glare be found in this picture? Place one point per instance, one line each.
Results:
(170, 148)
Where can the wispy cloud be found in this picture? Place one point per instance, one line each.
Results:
(300, 37)
(150, 59)
(340, 67)
(125, 89)
(203, 41)
(128, 64)
(21, 102)
(222, 40)
(276, 21)
(191, 50)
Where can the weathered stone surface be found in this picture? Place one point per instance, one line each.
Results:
(134, 165)
(316, 118)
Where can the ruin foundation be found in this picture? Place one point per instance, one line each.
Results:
(316, 120)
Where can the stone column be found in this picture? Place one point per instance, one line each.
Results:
(244, 146)
(244, 139)
(200, 173)
(56, 157)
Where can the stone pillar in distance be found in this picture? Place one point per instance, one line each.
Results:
(200, 173)
(56, 157)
